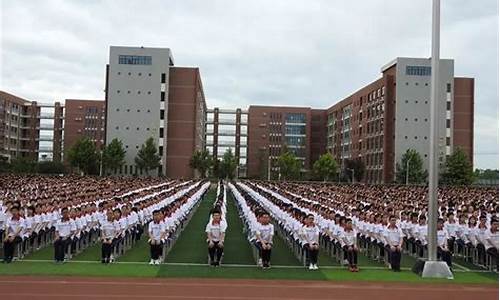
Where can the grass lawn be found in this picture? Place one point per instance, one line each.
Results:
(188, 258)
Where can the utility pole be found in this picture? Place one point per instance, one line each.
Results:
(433, 267)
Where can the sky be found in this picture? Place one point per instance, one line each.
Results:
(280, 52)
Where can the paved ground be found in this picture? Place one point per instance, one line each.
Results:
(75, 288)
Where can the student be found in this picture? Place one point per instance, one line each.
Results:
(492, 242)
(310, 237)
(156, 231)
(442, 241)
(108, 233)
(216, 231)
(264, 236)
(13, 230)
(394, 241)
(64, 229)
(350, 245)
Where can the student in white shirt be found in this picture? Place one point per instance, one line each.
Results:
(64, 229)
(12, 236)
(310, 237)
(216, 231)
(394, 242)
(156, 231)
(442, 242)
(264, 236)
(108, 234)
(492, 241)
(350, 245)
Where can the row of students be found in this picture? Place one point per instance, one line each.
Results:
(217, 226)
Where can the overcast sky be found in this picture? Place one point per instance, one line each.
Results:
(309, 53)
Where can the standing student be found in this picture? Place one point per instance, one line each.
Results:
(492, 242)
(442, 240)
(310, 237)
(156, 231)
(108, 233)
(64, 229)
(264, 237)
(350, 245)
(13, 231)
(216, 231)
(394, 240)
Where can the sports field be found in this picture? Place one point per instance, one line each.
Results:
(188, 258)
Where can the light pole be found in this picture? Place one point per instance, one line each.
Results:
(100, 164)
(433, 267)
(407, 169)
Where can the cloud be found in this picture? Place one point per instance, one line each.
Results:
(250, 52)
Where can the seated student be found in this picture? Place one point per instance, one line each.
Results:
(108, 234)
(442, 242)
(421, 233)
(216, 231)
(492, 241)
(350, 245)
(310, 238)
(394, 240)
(64, 229)
(156, 231)
(13, 231)
(264, 236)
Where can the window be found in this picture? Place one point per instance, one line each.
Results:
(448, 105)
(160, 150)
(134, 60)
(448, 123)
(418, 71)
(448, 141)
(448, 87)
(163, 77)
(161, 132)
(162, 96)
(162, 114)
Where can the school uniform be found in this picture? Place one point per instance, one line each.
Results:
(108, 233)
(264, 233)
(13, 228)
(443, 253)
(394, 238)
(156, 232)
(216, 231)
(310, 235)
(492, 246)
(349, 238)
(64, 230)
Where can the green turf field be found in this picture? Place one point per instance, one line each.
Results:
(188, 258)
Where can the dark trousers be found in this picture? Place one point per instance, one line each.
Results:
(444, 256)
(156, 250)
(481, 254)
(106, 250)
(352, 256)
(451, 244)
(265, 254)
(312, 255)
(60, 247)
(493, 252)
(215, 252)
(9, 248)
(395, 259)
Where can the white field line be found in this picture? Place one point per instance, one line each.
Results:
(463, 270)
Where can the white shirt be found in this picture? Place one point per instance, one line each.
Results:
(14, 226)
(310, 234)
(349, 237)
(108, 229)
(393, 236)
(64, 228)
(215, 230)
(442, 238)
(265, 232)
(156, 230)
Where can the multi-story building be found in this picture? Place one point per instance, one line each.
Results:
(84, 118)
(227, 129)
(142, 86)
(30, 129)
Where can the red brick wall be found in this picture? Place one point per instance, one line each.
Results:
(463, 115)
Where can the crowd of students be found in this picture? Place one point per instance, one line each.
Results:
(385, 221)
(72, 213)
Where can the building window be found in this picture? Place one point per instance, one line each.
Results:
(162, 96)
(163, 77)
(448, 123)
(161, 132)
(160, 150)
(448, 105)
(162, 114)
(448, 87)
(134, 60)
(418, 71)
(448, 141)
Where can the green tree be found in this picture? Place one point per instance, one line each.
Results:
(50, 167)
(4, 164)
(83, 156)
(457, 169)
(147, 158)
(359, 169)
(416, 172)
(228, 164)
(289, 166)
(325, 167)
(22, 165)
(113, 155)
(201, 161)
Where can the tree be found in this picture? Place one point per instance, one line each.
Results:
(83, 156)
(228, 164)
(201, 161)
(4, 164)
(22, 165)
(113, 155)
(358, 166)
(458, 169)
(325, 167)
(147, 157)
(416, 172)
(50, 167)
(289, 166)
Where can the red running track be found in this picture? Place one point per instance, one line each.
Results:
(76, 288)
